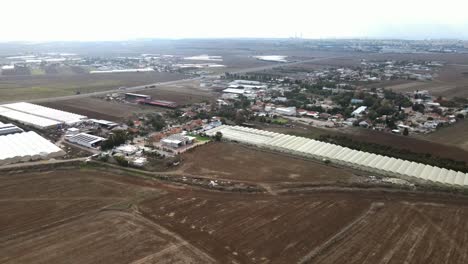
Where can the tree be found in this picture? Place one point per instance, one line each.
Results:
(218, 136)
(405, 132)
(157, 122)
(118, 138)
(121, 161)
(419, 107)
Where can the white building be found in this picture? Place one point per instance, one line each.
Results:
(139, 162)
(177, 140)
(359, 111)
(127, 149)
(288, 111)
(104, 123)
(72, 131)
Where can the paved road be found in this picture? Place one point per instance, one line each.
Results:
(144, 87)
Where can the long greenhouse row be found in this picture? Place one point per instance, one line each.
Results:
(26, 146)
(341, 155)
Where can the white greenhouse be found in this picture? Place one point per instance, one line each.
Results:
(341, 155)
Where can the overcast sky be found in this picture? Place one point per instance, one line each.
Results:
(87, 20)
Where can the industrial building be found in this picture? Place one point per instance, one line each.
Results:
(288, 111)
(134, 97)
(26, 146)
(86, 140)
(104, 123)
(341, 155)
(177, 140)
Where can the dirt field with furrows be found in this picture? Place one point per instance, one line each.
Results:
(84, 216)
(238, 162)
(92, 216)
(100, 109)
(44, 86)
(253, 229)
(402, 232)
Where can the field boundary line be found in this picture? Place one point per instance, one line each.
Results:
(333, 239)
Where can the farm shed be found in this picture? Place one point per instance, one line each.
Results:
(86, 140)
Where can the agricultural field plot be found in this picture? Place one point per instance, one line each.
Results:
(84, 216)
(410, 143)
(325, 227)
(449, 58)
(39, 199)
(183, 93)
(402, 232)
(15, 88)
(455, 135)
(238, 162)
(104, 237)
(100, 109)
(92, 216)
(253, 229)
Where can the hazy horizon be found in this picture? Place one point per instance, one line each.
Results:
(86, 20)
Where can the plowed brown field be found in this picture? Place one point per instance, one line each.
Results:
(91, 216)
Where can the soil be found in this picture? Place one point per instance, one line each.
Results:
(91, 216)
(238, 162)
(99, 109)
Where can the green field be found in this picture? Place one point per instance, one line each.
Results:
(199, 137)
(15, 88)
(279, 121)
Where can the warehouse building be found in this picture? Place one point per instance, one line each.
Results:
(46, 112)
(104, 123)
(26, 146)
(341, 155)
(288, 111)
(86, 140)
(134, 97)
(161, 103)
